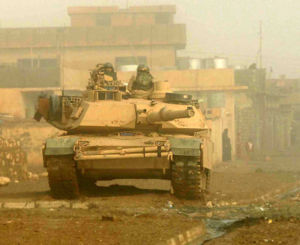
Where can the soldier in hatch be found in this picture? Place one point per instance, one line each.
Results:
(110, 72)
(102, 75)
(95, 74)
(143, 80)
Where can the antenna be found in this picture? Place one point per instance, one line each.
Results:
(63, 62)
(260, 45)
(151, 45)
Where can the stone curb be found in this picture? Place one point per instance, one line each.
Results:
(187, 237)
(47, 205)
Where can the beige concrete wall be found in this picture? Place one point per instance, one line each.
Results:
(135, 15)
(86, 58)
(216, 137)
(11, 102)
(144, 19)
(197, 79)
(101, 36)
(81, 20)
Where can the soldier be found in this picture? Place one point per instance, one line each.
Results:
(95, 72)
(96, 75)
(226, 146)
(110, 72)
(103, 75)
(143, 79)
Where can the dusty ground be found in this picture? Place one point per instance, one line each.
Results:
(88, 227)
(146, 213)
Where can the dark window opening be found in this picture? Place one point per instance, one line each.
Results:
(103, 20)
(216, 100)
(46, 63)
(131, 60)
(37, 63)
(162, 18)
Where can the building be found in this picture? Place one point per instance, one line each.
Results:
(124, 37)
(288, 92)
(264, 112)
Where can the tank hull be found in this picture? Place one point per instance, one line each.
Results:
(126, 156)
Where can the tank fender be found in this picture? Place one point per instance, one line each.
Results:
(60, 146)
(185, 146)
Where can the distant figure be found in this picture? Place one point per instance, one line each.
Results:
(238, 146)
(249, 147)
(226, 146)
(143, 79)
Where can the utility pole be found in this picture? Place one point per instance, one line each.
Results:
(260, 45)
(62, 61)
(263, 98)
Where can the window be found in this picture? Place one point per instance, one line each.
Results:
(130, 60)
(162, 18)
(37, 63)
(27, 63)
(103, 20)
(216, 100)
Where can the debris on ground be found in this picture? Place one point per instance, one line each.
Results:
(4, 181)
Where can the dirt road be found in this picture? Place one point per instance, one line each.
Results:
(144, 212)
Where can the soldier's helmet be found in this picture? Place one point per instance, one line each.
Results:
(143, 68)
(108, 66)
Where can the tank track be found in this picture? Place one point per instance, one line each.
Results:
(62, 177)
(189, 179)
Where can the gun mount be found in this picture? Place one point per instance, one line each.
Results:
(165, 114)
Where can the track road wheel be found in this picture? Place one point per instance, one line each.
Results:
(189, 179)
(62, 177)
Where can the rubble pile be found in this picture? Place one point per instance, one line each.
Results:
(13, 159)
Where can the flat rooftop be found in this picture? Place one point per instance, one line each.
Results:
(115, 9)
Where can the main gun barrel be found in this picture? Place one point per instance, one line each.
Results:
(166, 114)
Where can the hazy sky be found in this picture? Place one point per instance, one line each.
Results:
(215, 27)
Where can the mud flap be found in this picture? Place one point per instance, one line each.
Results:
(60, 146)
(190, 147)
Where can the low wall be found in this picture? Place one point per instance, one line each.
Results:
(35, 133)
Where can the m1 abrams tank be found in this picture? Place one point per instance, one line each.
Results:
(110, 135)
